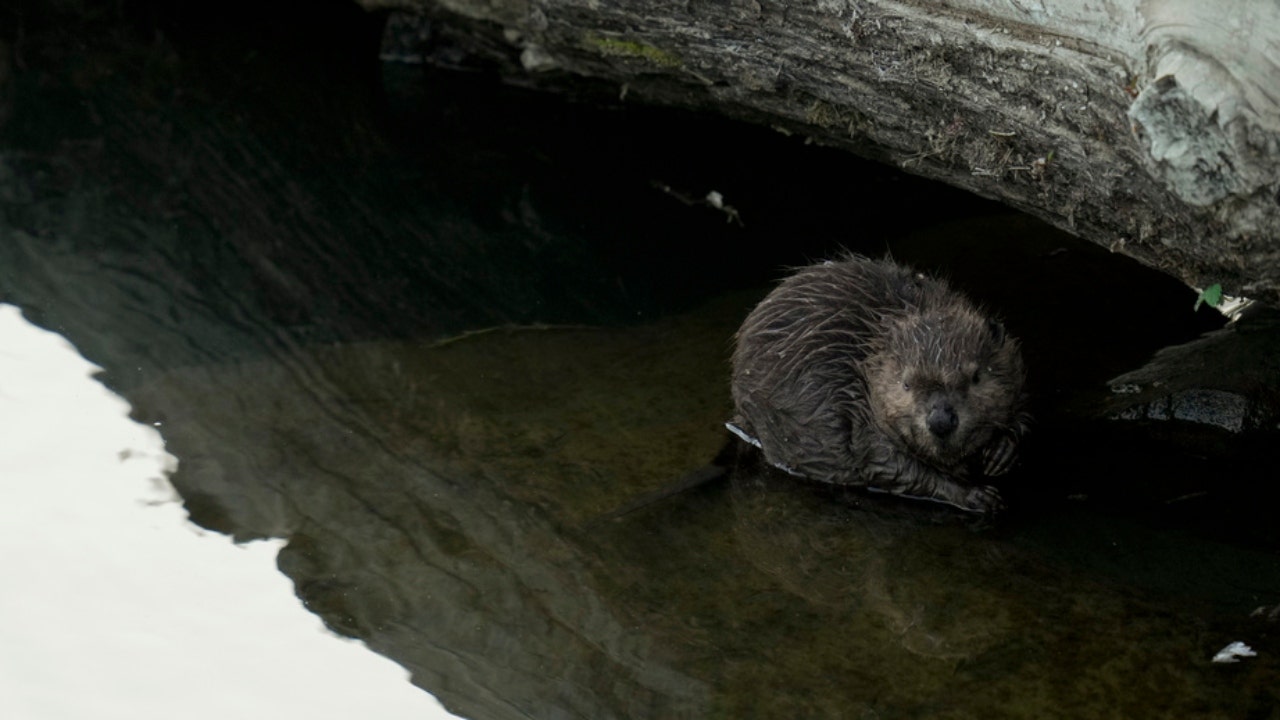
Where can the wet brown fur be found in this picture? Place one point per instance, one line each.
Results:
(838, 371)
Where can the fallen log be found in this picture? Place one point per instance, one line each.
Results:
(1151, 127)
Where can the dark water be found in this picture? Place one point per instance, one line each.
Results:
(432, 330)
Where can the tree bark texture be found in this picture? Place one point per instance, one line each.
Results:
(1149, 126)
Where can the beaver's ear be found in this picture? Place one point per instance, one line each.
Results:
(909, 287)
(997, 330)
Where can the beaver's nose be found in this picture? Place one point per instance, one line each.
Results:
(942, 419)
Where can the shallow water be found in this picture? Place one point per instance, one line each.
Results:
(435, 352)
(440, 498)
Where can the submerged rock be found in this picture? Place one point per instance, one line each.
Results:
(1227, 380)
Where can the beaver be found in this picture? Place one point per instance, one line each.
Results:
(864, 372)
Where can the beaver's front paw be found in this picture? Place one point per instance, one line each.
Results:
(983, 499)
(998, 457)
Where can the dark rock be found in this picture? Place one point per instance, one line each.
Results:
(1227, 379)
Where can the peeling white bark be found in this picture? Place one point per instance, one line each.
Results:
(1211, 116)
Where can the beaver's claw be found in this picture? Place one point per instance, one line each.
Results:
(999, 456)
(983, 499)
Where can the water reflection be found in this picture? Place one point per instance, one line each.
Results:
(114, 605)
(427, 490)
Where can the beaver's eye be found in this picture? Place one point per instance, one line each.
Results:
(977, 376)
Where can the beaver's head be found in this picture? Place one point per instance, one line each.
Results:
(942, 383)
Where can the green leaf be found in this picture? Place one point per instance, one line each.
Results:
(1211, 295)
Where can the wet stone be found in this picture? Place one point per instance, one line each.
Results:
(1228, 379)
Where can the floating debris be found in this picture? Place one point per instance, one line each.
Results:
(1233, 653)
